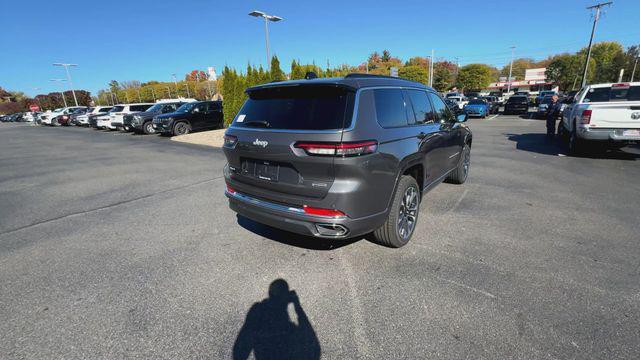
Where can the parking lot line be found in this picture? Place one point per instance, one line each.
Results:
(493, 117)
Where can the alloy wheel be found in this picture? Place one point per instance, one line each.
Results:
(408, 213)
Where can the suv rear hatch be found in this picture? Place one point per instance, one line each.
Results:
(617, 106)
(280, 144)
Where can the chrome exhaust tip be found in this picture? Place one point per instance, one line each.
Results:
(333, 230)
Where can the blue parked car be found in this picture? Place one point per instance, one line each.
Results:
(477, 107)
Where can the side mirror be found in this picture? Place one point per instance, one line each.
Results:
(461, 117)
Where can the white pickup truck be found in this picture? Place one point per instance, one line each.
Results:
(607, 114)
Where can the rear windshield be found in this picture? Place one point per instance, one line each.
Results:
(117, 108)
(476, 102)
(517, 99)
(606, 94)
(297, 108)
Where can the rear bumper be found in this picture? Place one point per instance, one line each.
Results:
(589, 133)
(295, 220)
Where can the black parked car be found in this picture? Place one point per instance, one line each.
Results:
(517, 104)
(193, 116)
(340, 158)
(494, 103)
(143, 122)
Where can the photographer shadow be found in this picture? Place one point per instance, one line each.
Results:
(269, 332)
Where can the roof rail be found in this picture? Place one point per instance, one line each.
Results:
(360, 75)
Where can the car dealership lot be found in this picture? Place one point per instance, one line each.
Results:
(117, 245)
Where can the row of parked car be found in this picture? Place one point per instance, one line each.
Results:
(168, 116)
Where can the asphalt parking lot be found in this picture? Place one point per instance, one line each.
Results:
(122, 246)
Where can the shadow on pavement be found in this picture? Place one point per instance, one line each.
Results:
(269, 332)
(537, 143)
(288, 238)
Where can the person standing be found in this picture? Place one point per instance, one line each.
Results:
(553, 111)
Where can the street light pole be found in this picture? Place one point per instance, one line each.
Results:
(62, 89)
(510, 70)
(634, 69)
(66, 68)
(593, 31)
(267, 18)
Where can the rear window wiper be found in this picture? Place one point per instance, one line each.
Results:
(256, 123)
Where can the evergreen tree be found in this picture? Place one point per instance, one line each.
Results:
(276, 74)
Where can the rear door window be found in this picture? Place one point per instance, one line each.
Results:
(305, 107)
(615, 93)
(421, 106)
(391, 108)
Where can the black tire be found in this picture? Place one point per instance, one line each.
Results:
(562, 132)
(389, 234)
(181, 128)
(460, 173)
(576, 145)
(147, 128)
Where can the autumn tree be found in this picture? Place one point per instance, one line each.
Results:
(196, 75)
(475, 76)
(414, 73)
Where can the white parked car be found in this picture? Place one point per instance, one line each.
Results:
(460, 100)
(104, 121)
(606, 114)
(83, 119)
(117, 117)
(49, 117)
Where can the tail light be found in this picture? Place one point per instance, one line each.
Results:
(586, 117)
(230, 141)
(230, 190)
(323, 212)
(338, 149)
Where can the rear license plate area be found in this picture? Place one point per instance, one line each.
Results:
(631, 133)
(261, 169)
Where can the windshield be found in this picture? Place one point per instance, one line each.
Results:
(116, 109)
(547, 100)
(317, 107)
(155, 108)
(186, 107)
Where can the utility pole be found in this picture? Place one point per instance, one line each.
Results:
(139, 97)
(510, 70)
(169, 91)
(634, 69)
(153, 93)
(186, 84)
(598, 7)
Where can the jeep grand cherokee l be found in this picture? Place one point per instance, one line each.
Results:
(340, 158)
(143, 122)
(193, 116)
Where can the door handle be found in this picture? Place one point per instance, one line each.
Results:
(422, 135)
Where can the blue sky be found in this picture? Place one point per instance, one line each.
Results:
(149, 40)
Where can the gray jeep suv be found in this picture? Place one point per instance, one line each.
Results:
(342, 157)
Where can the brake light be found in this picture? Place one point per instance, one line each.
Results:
(322, 212)
(230, 190)
(338, 149)
(622, 85)
(230, 141)
(586, 117)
